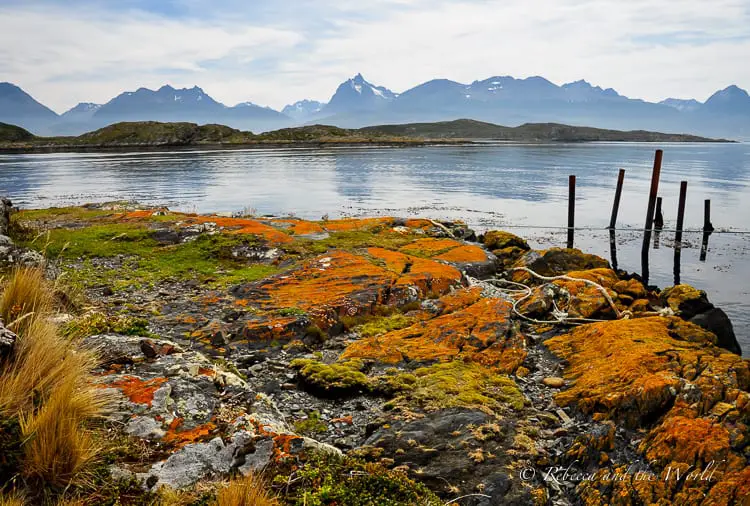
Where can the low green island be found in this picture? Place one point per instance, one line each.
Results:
(150, 134)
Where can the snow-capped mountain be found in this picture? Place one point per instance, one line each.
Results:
(357, 94)
(303, 109)
(681, 104)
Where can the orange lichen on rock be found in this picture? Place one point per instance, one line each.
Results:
(631, 368)
(695, 441)
(420, 224)
(349, 224)
(477, 333)
(282, 328)
(428, 276)
(448, 250)
(336, 281)
(458, 299)
(242, 226)
(137, 390)
(180, 438)
(666, 370)
(298, 227)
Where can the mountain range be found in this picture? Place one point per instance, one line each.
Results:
(357, 103)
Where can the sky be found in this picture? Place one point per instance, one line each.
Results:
(275, 52)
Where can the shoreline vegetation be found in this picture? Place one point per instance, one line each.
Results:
(189, 135)
(232, 360)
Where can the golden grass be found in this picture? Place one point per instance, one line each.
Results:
(45, 386)
(12, 500)
(246, 491)
(25, 295)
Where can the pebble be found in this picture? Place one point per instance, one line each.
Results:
(554, 382)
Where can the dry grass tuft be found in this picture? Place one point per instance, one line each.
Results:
(246, 491)
(26, 294)
(45, 386)
(12, 500)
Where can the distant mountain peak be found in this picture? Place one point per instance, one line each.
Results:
(357, 94)
(303, 109)
(685, 105)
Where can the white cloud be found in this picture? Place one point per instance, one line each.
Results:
(685, 48)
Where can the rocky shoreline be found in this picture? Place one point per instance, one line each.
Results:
(414, 361)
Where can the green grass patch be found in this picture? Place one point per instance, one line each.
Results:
(311, 425)
(208, 257)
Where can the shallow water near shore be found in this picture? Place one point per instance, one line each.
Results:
(522, 187)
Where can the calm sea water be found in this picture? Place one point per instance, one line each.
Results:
(520, 187)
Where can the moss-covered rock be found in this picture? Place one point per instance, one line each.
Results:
(499, 239)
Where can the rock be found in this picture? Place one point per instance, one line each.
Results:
(554, 382)
(7, 343)
(498, 240)
(145, 427)
(685, 300)
(6, 208)
(5, 241)
(149, 348)
(192, 463)
(556, 261)
(715, 320)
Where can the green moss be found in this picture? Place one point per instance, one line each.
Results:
(351, 240)
(332, 378)
(311, 425)
(326, 480)
(384, 324)
(460, 384)
(291, 311)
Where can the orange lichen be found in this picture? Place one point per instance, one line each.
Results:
(420, 224)
(179, 438)
(477, 333)
(428, 276)
(458, 299)
(138, 390)
(464, 254)
(242, 226)
(663, 367)
(283, 328)
(349, 224)
(620, 364)
(448, 250)
(299, 227)
(430, 247)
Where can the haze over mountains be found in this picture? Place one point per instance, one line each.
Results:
(357, 103)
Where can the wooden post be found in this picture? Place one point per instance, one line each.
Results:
(659, 218)
(613, 248)
(571, 209)
(678, 232)
(707, 226)
(650, 213)
(618, 194)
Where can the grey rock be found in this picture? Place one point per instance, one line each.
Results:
(144, 427)
(192, 463)
(7, 342)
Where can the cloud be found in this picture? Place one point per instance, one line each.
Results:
(277, 52)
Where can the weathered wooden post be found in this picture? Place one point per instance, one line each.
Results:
(618, 194)
(678, 231)
(658, 223)
(571, 209)
(650, 213)
(708, 228)
(613, 248)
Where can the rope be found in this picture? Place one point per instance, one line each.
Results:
(560, 317)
